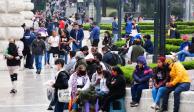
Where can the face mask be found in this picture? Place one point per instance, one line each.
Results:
(86, 54)
(82, 72)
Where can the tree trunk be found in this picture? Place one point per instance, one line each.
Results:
(104, 5)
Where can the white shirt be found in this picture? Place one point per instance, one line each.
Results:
(103, 86)
(54, 41)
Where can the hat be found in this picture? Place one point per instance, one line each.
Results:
(185, 37)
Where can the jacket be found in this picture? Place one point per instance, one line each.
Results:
(148, 46)
(95, 33)
(184, 44)
(107, 58)
(178, 74)
(115, 28)
(135, 51)
(79, 37)
(38, 47)
(128, 27)
(161, 75)
(118, 88)
(142, 75)
(61, 80)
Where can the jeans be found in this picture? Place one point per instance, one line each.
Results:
(95, 42)
(76, 47)
(157, 94)
(47, 57)
(65, 57)
(115, 38)
(136, 91)
(183, 53)
(38, 62)
(177, 91)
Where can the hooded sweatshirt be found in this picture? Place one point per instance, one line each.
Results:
(142, 75)
(178, 74)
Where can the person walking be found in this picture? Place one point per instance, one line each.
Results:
(78, 35)
(115, 30)
(54, 41)
(13, 63)
(95, 34)
(38, 49)
(28, 38)
(61, 82)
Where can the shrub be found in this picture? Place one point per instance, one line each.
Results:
(120, 43)
(175, 42)
(128, 70)
(171, 48)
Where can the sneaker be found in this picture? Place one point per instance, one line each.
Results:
(132, 102)
(50, 108)
(135, 105)
(173, 54)
(153, 106)
(13, 91)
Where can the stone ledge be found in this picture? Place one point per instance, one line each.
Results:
(187, 102)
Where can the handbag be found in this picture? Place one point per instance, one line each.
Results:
(50, 93)
(63, 95)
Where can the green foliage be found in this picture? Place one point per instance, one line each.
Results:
(175, 42)
(120, 43)
(188, 65)
(171, 48)
(128, 70)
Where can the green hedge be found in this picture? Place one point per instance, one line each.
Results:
(146, 29)
(128, 70)
(169, 48)
(175, 42)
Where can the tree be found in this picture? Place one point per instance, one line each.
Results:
(104, 6)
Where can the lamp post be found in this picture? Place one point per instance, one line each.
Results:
(160, 28)
(120, 10)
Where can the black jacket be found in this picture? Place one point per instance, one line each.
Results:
(61, 81)
(118, 88)
(38, 47)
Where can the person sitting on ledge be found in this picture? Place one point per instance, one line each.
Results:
(184, 47)
(189, 51)
(141, 77)
(179, 82)
(160, 78)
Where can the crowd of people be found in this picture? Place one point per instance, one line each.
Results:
(91, 74)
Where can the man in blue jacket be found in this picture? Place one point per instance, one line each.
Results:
(95, 35)
(115, 29)
(77, 34)
(128, 28)
(28, 38)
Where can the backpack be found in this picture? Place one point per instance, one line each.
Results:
(115, 59)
